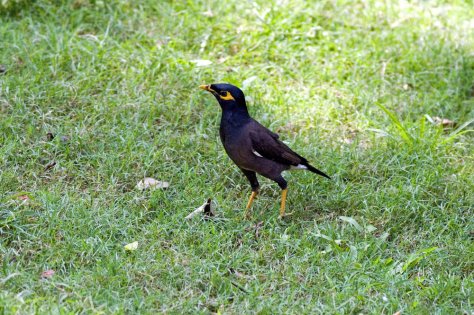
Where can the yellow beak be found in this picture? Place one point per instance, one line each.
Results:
(205, 87)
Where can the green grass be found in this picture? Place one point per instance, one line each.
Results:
(348, 84)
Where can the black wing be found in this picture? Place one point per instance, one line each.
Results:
(266, 143)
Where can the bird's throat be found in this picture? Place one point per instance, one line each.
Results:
(231, 124)
(235, 117)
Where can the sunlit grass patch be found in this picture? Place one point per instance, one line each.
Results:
(95, 96)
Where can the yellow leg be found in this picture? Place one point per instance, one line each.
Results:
(249, 204)
(283, 202)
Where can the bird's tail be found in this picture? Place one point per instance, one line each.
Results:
(315, 170)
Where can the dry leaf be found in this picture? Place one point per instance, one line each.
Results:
(201, 63)
(238, 274)
(47, 273)
(207, 209)
(151, 183)
(208, 13)
(407, 86)
(131, 246)
(444, 122)
(90, 37)
(397, 313)
(24, 198)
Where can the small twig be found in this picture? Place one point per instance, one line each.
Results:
(49, 166)
(238, 286)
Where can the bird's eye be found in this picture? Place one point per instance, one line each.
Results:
(226, 96)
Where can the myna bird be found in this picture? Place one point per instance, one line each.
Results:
(251, 146)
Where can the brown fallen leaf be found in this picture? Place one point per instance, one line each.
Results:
(444, 122)
(236, 273)
(47, 274)
(24, 197)
(397, 313)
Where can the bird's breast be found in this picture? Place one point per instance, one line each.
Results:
(237, 144)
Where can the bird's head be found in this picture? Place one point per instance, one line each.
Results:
(229, 96)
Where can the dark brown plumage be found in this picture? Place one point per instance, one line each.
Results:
(252, 147)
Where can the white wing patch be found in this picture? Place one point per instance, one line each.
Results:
(298, 167)
(256, 153)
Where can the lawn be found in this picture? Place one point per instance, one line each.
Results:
(97, 95)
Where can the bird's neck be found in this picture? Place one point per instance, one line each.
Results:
(235, 117)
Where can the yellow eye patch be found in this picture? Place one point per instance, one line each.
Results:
(227, 96)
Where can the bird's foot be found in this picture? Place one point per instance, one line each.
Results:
(249, 204)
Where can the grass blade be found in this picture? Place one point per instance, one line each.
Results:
(397, 123)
